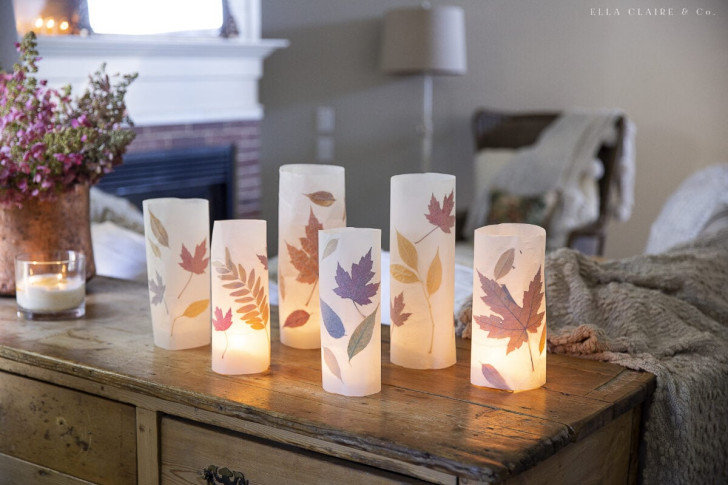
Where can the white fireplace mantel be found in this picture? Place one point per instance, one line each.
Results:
(181, 79)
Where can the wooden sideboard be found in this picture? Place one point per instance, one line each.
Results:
(93, 401)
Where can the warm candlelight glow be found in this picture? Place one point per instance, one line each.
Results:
(50, 292)
(64, 25)
(38, 23)
(50, 23)
(509, 307)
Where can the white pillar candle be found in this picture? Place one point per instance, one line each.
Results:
(50, 292)
(509, 307)
(240, 305)
(350, 297)
(177, 233)
(311, 197)
(422, 270)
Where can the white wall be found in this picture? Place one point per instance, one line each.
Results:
(669, 73)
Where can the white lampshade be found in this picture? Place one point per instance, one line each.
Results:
(428, 40)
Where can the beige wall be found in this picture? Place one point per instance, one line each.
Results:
(669, 73)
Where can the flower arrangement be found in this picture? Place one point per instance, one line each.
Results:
(50, 142)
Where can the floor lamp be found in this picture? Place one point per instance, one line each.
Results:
(427, 41)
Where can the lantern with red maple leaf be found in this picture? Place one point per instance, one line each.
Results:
(396, 311)
(441, 216)
(221, 323)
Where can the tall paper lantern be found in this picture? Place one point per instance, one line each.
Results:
(422, 270)
(509, 307)
(350, 277)
(311, 197)
(240, 305)
(177, 233)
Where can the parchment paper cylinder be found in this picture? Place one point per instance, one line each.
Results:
(350, 297)
(422, 270)
(509, 307)
(240, 303)
(311, 197)
(177, 233)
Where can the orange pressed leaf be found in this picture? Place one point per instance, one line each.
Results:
(322, 198)
(247, 290)
(508, 319)
(542, 342)
(297, 319)
(307, 267)
(196, 264)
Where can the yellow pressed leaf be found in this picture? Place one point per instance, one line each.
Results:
(542, 342)
(402, 274)
(434, 274)
(195, 308)
(155, 248)
(158, 230)
(407, 251)
(504, 264)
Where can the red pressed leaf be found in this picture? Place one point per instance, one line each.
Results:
(398, 318)
(305, 260)
(508, 319)
(442, 216)
(197, 263)
(220, 322)
(263, 260)
(297, 319)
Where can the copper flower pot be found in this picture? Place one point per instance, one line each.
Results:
(42, 225)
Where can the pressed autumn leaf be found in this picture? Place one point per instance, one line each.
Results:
(434, 274)
(402, 274)
(248, 290)
(396, 311)
(362, 335)
(442, 216)
(322, 198)
(332, 321)
(196, 264)
(193, 309)
(508, 319)
(407, 251)
(155, 248)
(504, 264)
(494, 378)
(222, 322)
(158, 230)
(157, 289)
(305, 260)
(263, 260)
(330, 248)
(332, 363)
(357, 286)
(296, 319)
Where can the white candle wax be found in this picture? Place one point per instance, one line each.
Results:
(50, 293)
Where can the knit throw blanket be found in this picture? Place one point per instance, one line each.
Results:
(666, 314)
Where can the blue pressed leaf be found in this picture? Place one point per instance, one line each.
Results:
(332, 322)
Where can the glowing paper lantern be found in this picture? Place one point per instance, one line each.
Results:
(509, 307)
(240, 305)
(177, 242)
(311, 197)
(350, 277)
(422, 270)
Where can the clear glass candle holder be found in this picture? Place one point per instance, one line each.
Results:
(51, 285)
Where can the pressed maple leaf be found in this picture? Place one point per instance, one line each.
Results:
(222, 322)
(356, 286)
(509, 319)
(157, 288)
(442, 216)
(305, 260)
(263, 260)
(194, 264)
(395, 311)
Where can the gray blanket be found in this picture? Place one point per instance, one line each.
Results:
(666, 314)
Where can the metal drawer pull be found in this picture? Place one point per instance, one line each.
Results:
(224, 476)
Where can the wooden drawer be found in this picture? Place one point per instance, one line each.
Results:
(75, 433)
(187, 449)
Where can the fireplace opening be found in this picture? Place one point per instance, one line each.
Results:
(204, 172)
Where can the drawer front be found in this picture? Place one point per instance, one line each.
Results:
(75, 433)
(188, 449)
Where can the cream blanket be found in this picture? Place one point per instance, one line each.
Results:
(666, 314)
